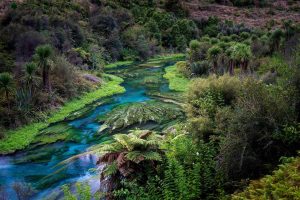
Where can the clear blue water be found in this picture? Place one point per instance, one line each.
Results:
(38, 168)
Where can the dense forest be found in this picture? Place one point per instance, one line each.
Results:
(150, 99)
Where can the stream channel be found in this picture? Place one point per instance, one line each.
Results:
(35, 168)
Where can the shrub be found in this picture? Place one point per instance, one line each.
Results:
(194, 45)
(211, 91)
(200, 68)
(199, 53)
(259, 111)
(183, 68)
(282, 184)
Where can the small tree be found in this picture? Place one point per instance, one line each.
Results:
(275, 39)
(43, 54)
(6, 85)
(30, 69)
(241, 53)
(213, 55)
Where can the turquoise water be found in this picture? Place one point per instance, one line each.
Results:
(35, 170)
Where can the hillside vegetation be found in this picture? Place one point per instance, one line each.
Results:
(218, 87)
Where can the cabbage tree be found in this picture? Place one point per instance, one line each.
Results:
(241, 53)
(213, 55)
(6, 85)
(43, 54)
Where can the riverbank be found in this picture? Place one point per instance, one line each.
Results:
(152, 61)
(177, 81)
(22, 137)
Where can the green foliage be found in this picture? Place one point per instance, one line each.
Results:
(43, 52)
(6, 83)
(200, 68)
(139, 113)
(241, 52)
(214, 52)
(6, 59)
(290, 134)
(282, 184)
(259, 111)
(42, 56)
(224, 87)
(127, 151)
(277, 64)
(177, 81)
(194, 44)
(83, 192)
(187, 172)
(182, 68)
(192, 176)
(118, 64)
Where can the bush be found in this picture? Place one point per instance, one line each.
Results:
(213, 92)
(198, 51)
(183, 68)
(200, 68)
(282, 184)
(259, 111)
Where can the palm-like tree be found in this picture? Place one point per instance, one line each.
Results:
(275, 39)
(30, 70)
(230, 59)
(241, 53)
(127, 154)
(213, 55)
(43, 54)
(7, 85)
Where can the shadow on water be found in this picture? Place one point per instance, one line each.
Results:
(35, 171)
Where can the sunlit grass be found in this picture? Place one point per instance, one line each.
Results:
(118, 64)
(152, 61)
(176, 80)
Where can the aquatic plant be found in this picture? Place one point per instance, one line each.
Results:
(140, 113)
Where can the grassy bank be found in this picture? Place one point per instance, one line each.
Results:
(167, 57)
(20, 138)
(155, 60)
(176, 80)
(118, 64)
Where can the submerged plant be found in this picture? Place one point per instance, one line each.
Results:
(140, 113)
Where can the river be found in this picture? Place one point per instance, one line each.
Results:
(34, 171)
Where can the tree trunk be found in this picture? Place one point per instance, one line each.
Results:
(7, 99)
(215, 66)
(231, 68)
(246, 66)
(46, 80)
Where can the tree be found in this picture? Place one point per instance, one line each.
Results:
(43, 54)
(7, 85)
(231, 63)
(213, 55)
(30, 69)
(241, 53)
(128, 153)
(275, 39)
